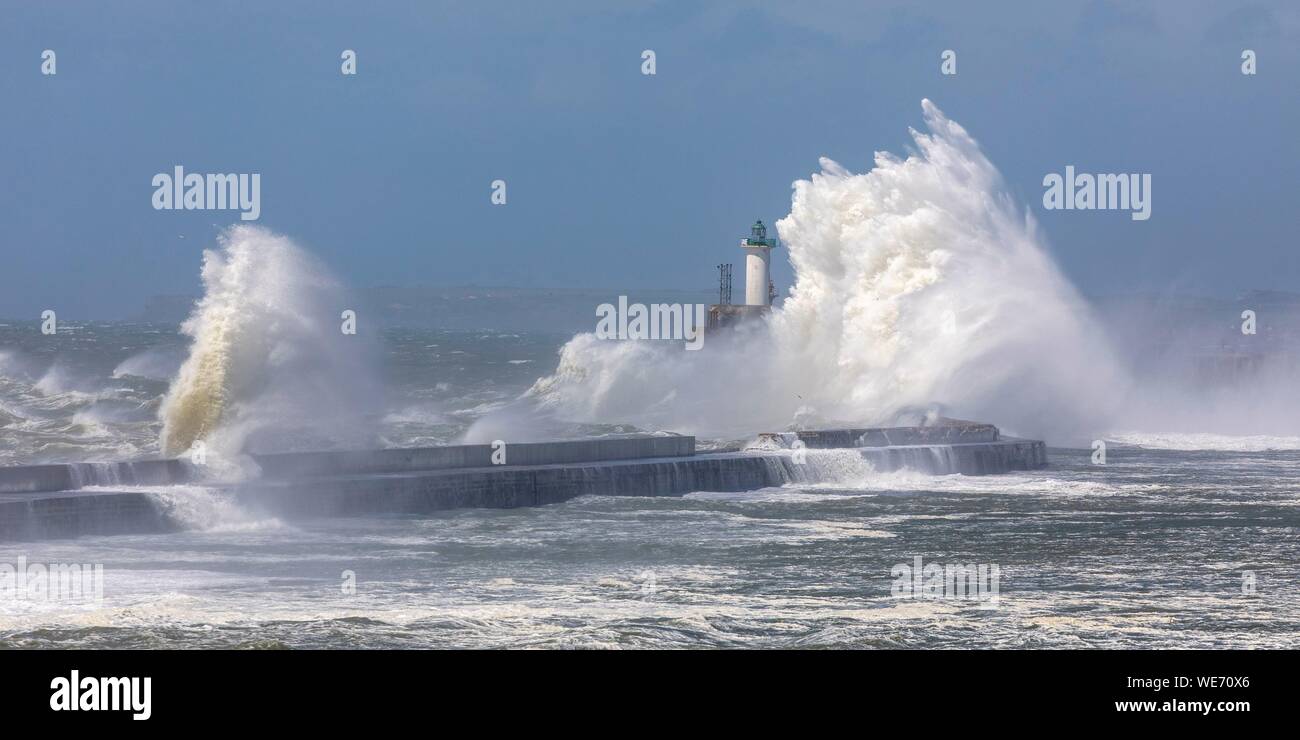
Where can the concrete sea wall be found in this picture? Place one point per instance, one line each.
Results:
(419, 481)
(71, 476)
(967, 459)
(948, 434)
(39, 516)
(297, 464)
(500, 487)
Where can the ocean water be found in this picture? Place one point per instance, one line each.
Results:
(93, 391)
(1194, 545)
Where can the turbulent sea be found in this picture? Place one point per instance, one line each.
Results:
(1178, 541)
(920, 285)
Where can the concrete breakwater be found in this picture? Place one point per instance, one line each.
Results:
(950, 432)
(73, 476)
(423, 480)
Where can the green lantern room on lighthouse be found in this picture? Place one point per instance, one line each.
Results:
(758, 236)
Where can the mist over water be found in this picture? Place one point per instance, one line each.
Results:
(919, 284)
(1200, 382)
(268, 362)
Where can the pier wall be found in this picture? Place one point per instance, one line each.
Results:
(967, 459)
(298, 464)
(497, 487)
(411, 481)
(72, 476)
(42, 516)
(504, 488)
(949, 434)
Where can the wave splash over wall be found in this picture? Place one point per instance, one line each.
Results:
(919, 284)
(268, 368)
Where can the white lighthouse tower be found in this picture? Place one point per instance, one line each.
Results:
(758, 257)
(759, 290)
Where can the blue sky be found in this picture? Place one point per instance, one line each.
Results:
(616, 179)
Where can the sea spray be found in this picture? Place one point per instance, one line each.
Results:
(919, 283)
(205, 509)
(268, 368)
(155, 363)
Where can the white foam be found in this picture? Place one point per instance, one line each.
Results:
(268, 364)
(154, 364)
(58, 381)
(200, 508)
(1205, 441)
(921, 282)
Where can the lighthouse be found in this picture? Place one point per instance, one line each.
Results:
(759, 290)
(758, 258)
